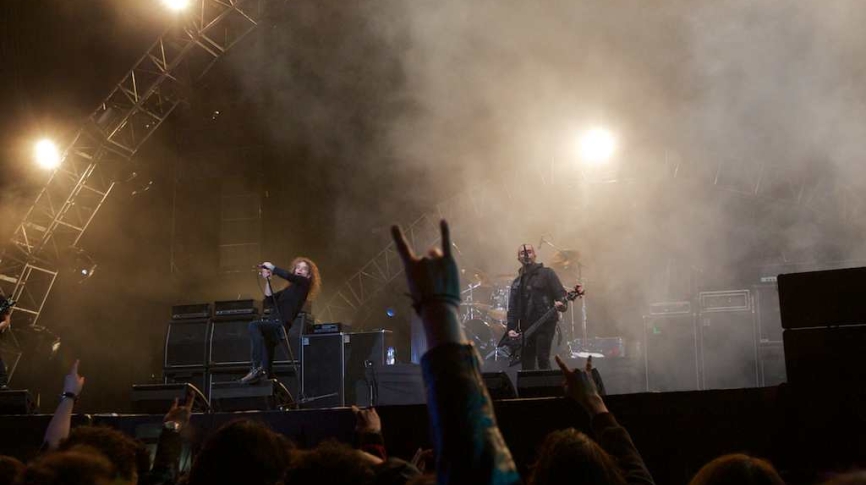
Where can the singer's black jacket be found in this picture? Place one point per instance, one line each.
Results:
(290, 300)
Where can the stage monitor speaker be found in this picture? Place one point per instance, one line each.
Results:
(158, 398)
(399, 384)
(365, 357)
(771, 357)
(265, 395)
(670, 353)
(499, 385)
(197, 376)
(729, 353)
(284, 373)
(186, 343)
(826, 358)
(322, 370)
(17, 401)
(822, 298)
(539, 383)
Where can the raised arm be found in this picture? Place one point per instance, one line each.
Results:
(469, 446)
(61, 422)
(286, 275)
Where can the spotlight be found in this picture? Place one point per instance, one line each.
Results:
(47, 155)
(176, 5)
(390, 312)
(597, 145)
(81, 263)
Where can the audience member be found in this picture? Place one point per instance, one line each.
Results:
(468, 444)
(737, 469)
(10, 469)
(242, 451)
(81, 465)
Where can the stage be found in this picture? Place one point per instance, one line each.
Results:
(803, 433)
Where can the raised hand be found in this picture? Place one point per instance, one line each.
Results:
(73, 382)
(434, 277)
(434, 285)
(367, 420)
(580, 387)
(180, 414)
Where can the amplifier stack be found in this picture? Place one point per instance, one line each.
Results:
(208, 347)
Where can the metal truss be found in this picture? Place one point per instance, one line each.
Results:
(348, 302)
(775, 182)
(101, 150)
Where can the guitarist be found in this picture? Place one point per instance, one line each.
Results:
(535, 290)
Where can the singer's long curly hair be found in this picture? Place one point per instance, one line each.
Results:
(315, 278)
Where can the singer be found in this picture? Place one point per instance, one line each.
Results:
(265, 334)
(535, 290)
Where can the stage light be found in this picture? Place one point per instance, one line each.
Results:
(390, 312)
(176, 4)
(597, 145)
(47, 155)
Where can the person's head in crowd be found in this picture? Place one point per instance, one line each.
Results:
(569, 456)
(10, 468)
(332, 463)
(80, 465)
(737, 469)
(243, 451)
(126, 454)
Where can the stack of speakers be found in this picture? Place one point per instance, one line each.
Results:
(732, 340)
(210, 349)
(204, 347)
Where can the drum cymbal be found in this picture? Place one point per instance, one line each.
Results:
(565, 259)
(498, 313)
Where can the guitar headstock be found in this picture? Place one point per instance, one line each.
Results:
(575, 292)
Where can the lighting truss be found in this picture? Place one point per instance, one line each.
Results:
(110, 137)
(348, 302)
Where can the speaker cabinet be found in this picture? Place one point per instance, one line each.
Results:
(197, 376)
(826, 358)
(18, 401)
(399, 384)
(499, 385)
(767, 313)
(322, 370)
(729, 354)
(265, 395)
(771, 358)
(670, 343)
(365, 357)
(539, 383)
(230, 342)
(186, 343)
(158, 398)
(285, 374)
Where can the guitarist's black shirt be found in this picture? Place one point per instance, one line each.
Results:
(532, 294)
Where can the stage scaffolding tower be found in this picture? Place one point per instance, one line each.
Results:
(101, 150)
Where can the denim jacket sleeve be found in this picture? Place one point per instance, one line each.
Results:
(468, 444)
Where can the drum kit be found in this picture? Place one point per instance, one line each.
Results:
(484, 312)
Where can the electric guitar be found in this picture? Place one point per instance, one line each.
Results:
(5, 305)
(515, 344)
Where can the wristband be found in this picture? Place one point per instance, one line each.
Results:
(69, 395)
